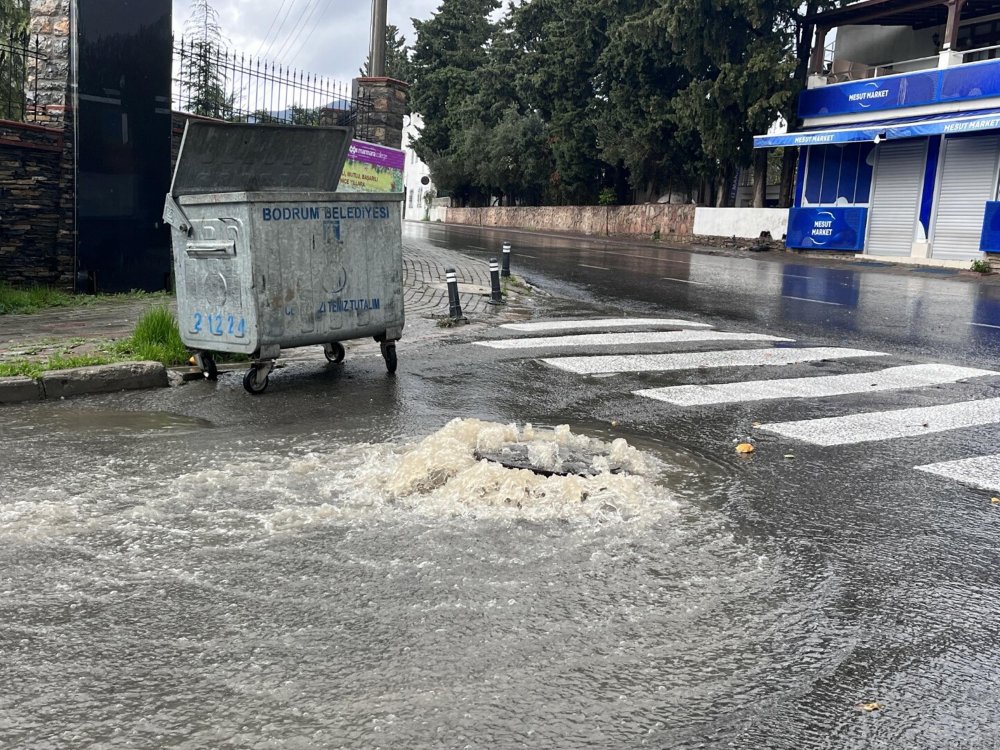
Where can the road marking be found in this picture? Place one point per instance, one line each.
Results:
(622, 339)
(982, 325)
(695, 360)
(893, 378)
(568, 325)
(686, 262)
(599, 268)
(982, 471)
(817, 301)
(525, 255)
(685, 281)
(888, 425)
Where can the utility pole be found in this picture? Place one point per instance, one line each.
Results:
(377, 52)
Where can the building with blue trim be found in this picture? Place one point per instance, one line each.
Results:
(900, 137)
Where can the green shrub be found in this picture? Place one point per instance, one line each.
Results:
(981, 266)
(156, 337)
(607, 197)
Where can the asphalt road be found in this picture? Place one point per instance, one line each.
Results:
(324, 565)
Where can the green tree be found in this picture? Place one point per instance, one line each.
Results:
(14, 15)
(561, 43)
(202, 77)
(639, 76)
(742, 75)
(449, 55)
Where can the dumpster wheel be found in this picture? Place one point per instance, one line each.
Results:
(253, 383)
(334, 352)
(389, 355)
(208, 367)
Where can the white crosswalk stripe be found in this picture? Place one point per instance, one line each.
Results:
(569, 325)
(691, 361)
(598, 340)
(982, 471)
(893, 378)
(887, 425)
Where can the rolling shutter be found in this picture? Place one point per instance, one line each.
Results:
(899, 176)
(968, 180)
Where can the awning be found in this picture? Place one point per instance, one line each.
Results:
(887, 130)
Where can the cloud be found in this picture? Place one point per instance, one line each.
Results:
(328, 38)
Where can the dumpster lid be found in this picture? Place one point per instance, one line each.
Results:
(222, 157)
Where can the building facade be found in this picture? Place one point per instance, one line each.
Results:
(416, 175)
(900, 138)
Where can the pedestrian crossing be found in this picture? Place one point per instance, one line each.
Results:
(604, 340)
(890, 379)
(773, 352)
(693, 361)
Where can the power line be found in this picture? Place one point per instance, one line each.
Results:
(280, 27)
(271, 27)
(299, 27)
(305, 41)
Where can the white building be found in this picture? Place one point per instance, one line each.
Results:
(416, 175)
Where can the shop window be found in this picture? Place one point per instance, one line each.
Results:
(838, 175)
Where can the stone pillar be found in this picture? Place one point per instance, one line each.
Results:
(383, 122)
(50, 25)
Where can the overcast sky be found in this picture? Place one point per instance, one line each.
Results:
(325, 37)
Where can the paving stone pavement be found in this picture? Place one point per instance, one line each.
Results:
(80, 330)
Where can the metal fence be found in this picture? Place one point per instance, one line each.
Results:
(19, 64)
(213, 82)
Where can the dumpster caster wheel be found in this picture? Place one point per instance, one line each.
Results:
(389, 355)
(208, 367)
(252, 384)
(334, 352)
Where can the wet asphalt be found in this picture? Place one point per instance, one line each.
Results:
(809, 581)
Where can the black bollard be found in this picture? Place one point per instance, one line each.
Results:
(505, 268)
(454, 303)
(496, 296)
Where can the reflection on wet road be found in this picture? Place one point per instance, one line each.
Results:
(330, 566)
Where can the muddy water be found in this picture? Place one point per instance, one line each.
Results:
(194, 592)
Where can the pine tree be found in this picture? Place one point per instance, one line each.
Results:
(202, 77)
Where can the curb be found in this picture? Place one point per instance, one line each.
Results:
(55, 384)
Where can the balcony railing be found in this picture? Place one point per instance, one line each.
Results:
(841, 70)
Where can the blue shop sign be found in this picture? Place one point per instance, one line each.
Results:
(872, 95)
(831, 228)
(960, 83)
(989, 241)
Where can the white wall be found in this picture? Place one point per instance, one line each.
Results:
(741, 222)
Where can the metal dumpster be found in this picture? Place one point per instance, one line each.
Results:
(268, 257)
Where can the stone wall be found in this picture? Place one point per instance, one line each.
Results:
(661, 219)
(50, 25)
(36, 205)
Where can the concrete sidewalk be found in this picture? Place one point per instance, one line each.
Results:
(77, 331)
(84, 330)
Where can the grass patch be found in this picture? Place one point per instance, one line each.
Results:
(981, 266)
(32, 369)
(33, 299)
(155, 338)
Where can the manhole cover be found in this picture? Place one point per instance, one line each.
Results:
(561, 461)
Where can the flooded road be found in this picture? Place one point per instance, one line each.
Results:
(330, 566)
